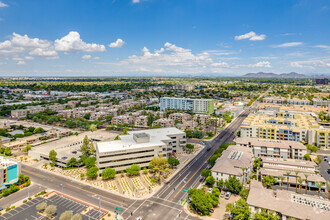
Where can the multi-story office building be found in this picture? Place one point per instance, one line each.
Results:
(9, 171)
(289, 126)
(139, 147)
(186, 104)
(274, 148)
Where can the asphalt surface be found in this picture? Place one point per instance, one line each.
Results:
(165, 204)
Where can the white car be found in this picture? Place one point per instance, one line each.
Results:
(138, 218)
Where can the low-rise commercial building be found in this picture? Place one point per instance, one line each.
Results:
(274, 148)
(9, 172)
(139, 147)
(234, 161)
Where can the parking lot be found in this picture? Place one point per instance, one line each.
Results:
(28, 210)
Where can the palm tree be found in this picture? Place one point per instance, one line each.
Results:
(296, 180)
(319, 186)
(328, 183)
(300, 180)
(287, 179)
(281, 178)
(306, 176)
(243, 174)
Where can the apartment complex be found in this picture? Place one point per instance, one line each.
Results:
(195, 105)
(296, 101)
(287, 204)
(274, 148)
(9, 171)
(279, 167)
(232, 162)
(139, 147)
(288, 126)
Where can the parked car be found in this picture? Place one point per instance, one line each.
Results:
(210, 190)
(211, 210)
(222, 194)
(228, 194)
(1, 208)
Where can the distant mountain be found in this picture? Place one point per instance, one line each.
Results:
(273, 75)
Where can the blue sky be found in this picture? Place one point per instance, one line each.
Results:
(163, 37)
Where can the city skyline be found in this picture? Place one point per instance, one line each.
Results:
(163, 38)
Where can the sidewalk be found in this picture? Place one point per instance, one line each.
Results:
(21, 195)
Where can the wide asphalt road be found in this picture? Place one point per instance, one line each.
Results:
(165, 204)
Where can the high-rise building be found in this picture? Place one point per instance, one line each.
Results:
(205, 106)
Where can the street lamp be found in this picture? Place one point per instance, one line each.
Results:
(61, 188)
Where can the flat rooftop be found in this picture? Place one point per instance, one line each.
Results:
(127, 142)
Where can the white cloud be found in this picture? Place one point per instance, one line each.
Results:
(118, 44)
(86, 57)
(261, 64)
(135, 1)
(20, 44)
(21, 62)
(44, 52)
(28, 58)
(221, 64)
(290, 44)
(323, 47)
(17, 59)
(96, 58)
(251, 36)
(2, 5)
(73, 43)
(312, 64)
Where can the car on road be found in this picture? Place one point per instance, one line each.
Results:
(210, 190)
(228, 194)
(222, 194)
(138, 218)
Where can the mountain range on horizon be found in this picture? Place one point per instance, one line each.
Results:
(290, 75)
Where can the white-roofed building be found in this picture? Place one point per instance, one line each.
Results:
(139, 147)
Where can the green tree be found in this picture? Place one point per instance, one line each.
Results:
(220, 183)
(213, 159)
(50, 210)
(92, 173)
(5, 192)
(206, 173)
(87, 116)
(52, 156)
(210, 180)
(76, 216)
(85, 146)
(307, 157)
(318, 160)
(125, 131)
(200, 201)
(27, 148)
(41, 206)
(233, 184)
(90, 162)
(240, 210)
(39, 130)
(266, 215)
(319, 185)
(244, 193)
(108, 173)
(281, 179)
(72, 162)
(173, 161)
(133, 170)
(66, 215)
(93, 127)
(268, 181)
(190, 146)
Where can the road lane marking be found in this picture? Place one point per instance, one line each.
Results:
(125, 204)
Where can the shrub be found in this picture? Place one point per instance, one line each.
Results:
(7, 209)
